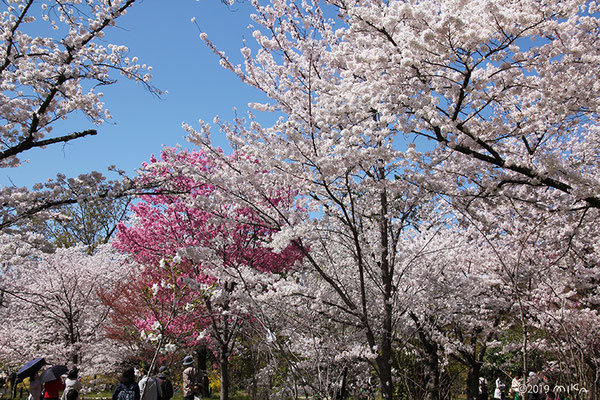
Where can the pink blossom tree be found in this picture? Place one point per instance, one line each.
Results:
(207, 243)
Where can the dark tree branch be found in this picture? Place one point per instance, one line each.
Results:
(29, 143)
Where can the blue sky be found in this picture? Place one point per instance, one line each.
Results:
(160, 33)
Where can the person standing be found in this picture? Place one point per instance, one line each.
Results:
(72, 386)
(483, 388)
(498, 392)
(515, 387)
(35, 387)
(164, 384)
(149, 389)
(190, 380)
(127, 388)
(53, 388)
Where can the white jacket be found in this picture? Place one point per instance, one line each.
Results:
(499, 388)
(71, 384)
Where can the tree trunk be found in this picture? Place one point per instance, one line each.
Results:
(431, 373)
(384, 361)
(385, 372)
(13, 385)
(224, 370)
(201, 356)
(342, 393)
(431, 370)
(72, 338)
(473, 381)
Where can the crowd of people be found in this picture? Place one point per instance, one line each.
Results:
(50, 390)
(536, 386)
(157, 387)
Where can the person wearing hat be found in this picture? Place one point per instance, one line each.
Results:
(191, 388)
(164, 383)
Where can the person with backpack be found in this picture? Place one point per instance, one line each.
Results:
(149, 388)
(127, 388)
(165, 385)
(72, 386)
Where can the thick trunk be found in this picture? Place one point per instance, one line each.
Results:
(201, 356)
(73, 338)
(385, 376)
(384, 361)
(224, 370)
(473, 381)
(431, 373)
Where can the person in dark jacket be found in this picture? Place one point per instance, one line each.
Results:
(165, 384)
(127, 388)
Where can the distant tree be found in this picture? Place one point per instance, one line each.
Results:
(53, 308)
(89, 223)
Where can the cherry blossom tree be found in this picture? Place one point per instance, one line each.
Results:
(47, 78)
(307, 347)
(53, 308)
(52, 62)
(492, 84)
(356, 247)
(453, 309)
(546, 266)
(400, 103)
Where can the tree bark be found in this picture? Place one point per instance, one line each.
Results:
(224, 370)
(202, 356)
(384, 360)
(473, 381)
(431, 373)
(385, 370)
(431, 369)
